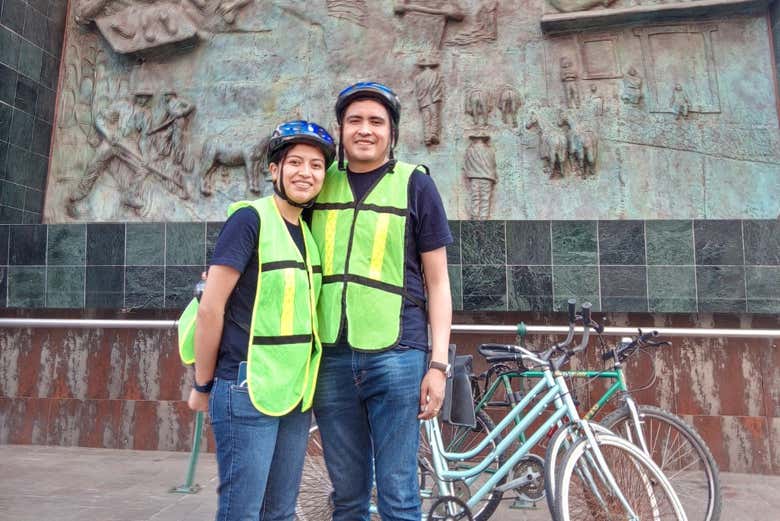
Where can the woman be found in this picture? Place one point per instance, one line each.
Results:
(256, 348)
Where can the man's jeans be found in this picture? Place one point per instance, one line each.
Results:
(260, 458)
(368, 401)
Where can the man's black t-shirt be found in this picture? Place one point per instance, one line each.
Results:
(237, 247)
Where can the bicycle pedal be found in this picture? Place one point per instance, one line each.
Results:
(522, 504)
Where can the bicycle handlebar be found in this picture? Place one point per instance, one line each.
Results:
(643, 339)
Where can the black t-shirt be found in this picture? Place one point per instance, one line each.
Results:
(427, 229)
(237, 247)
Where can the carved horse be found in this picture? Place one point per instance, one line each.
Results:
(553, 145)
(227, 151)
(478, 106)
(582, 143)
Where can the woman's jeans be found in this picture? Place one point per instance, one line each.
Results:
(366, 407)
(260, 458)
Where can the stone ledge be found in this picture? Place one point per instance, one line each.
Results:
(684, 11)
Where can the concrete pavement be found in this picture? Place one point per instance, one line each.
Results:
(39, 483)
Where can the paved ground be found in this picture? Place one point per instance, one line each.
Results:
(69, 484)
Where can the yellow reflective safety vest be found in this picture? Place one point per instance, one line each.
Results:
(284, 351)
(362, 246)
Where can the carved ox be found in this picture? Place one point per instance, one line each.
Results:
(552, 144)
(228, 151)
(478, 106)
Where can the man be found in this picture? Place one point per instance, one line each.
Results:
(380, 226)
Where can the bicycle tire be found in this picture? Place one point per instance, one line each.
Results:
(460, 439)
(689, 484)
(582, 491)
(556, 449)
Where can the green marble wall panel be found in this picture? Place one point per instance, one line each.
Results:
(649, 118)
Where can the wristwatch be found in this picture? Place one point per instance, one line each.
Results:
(445, 368)
(205, 388)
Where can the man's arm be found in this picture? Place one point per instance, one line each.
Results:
(437, 282)
(208, 329)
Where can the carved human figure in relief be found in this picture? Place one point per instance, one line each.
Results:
(169, 136)
(123, 127)
(429, 89)
(595, 104)
(509, 103)
(477, 105)
(571, 92)
(680, 103)
(632, 87)
(479, 168)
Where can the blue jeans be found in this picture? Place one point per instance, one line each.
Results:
(366, 407)
(260, 458)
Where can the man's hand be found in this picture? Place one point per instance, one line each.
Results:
(432, 394)
(198, 401)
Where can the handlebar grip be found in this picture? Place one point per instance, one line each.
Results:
(647, 336)
(572, 309)
(586, 312)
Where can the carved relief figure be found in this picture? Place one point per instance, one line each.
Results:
(680, 103)
(478, 106)
(479, 168)
(424, 23)
(351, 10)
(226, 151)
(169, 135)
(429, 87)
(567, 6)
(509, 103)
(571, 90)
(632, 87)
(595, 103)
(123, 128)
(582, 141)
(484, 27)
(553, 144)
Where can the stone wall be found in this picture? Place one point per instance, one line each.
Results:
(126, 388)
(31, 35)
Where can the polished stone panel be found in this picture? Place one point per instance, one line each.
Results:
(718, 242)
(8, 79)
(30, 60)
(28, 245)
(762, 242)
(763, 289)
(721, 288)
(35, 28)
(144, 287)
(105, 287)
(13, 15)
(212, 234)
(672, 289)
(9, 47)
(483, 242)
(4, 232)
(5, 125)
(484, 288)
(184, 244)
(453, 250)
(669, 242)
(578, 282)
(41, 137)
(12, 194)
(26, 95)
(105, 245)
(45, 106)
(22, 129)
(621, 242)
(67, 244)
(530, 288)
(455, 273)
(623, 288)
(33, 201)
(528, 242)
(574, 243)
(65, 287)
(179, 285)
(26, 287)
(145, 244)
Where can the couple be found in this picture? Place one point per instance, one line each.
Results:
(336, 293)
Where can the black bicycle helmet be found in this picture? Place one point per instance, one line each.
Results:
(369, 90)
(291, 133)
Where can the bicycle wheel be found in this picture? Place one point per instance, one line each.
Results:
(680, 453)
(556, 449)
(461, 439)
(584, 492)
(314, 497)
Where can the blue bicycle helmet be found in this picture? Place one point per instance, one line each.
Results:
(301, 131)
(375, 91)
(291, 133)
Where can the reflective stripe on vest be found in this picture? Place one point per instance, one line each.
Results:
(363, 245)
(284, 350)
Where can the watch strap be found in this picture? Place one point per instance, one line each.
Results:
(205, 388)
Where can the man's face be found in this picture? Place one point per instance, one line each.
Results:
(366, 134)
(142, 99)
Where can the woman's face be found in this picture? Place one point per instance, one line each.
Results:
(304, 172)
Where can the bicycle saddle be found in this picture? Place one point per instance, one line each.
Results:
(497, 353)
